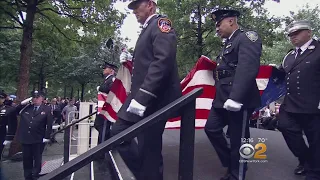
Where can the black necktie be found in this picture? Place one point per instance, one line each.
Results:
(35, 110)
(298, 53)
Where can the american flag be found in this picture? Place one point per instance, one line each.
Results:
(270, 84)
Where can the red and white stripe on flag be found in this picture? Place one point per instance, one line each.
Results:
(200, 76)
(118, 92)
(102, 98)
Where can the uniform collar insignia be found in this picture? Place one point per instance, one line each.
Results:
(145, 25)
(293, 52)
(229, 45)
(311, 47)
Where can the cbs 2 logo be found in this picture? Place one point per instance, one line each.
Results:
(247, 151)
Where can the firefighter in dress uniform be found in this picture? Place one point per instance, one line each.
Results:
(237, 94)
(7, 118)
(102, 125)
(34, 131)
(155, 83)
(300, 110)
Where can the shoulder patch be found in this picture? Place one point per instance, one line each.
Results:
(253, 36)
(164, 25)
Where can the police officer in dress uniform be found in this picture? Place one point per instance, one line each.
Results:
(155, 83)
(7, 118)
(102, 125)
(34, 130)
(300, 110)
(237, 93)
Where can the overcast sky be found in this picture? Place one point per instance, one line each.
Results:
(130, 26)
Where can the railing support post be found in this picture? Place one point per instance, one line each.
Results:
(66, 145)
(187, 134)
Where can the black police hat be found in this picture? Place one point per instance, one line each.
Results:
(133, 4)
(37, 94)
(3, 95)
(109, 65)
(220, 14)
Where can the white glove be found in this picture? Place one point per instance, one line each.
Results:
(6, 142)
(232, 105)
(98, 88)
(26, 101)
(123, 57)
(136, 108)
(45, 140)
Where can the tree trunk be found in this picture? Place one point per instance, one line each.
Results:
(71, 93)
(25, 56)
(78, 96)
(82, 91)
(65, 92)
(199, 31)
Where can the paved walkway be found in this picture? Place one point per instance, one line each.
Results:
(207, 166)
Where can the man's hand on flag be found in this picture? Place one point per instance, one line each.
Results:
(125, 56)
(232, 105)
(136, 108)
(6, 142)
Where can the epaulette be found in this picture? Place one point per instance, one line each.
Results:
(162, 16)
(290, 51)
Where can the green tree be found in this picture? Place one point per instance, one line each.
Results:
(276, 53)
(95, 18)
(196, 30)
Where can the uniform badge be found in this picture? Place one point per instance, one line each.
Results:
(42, 113)
(311, 47)
(229, 45)
(164, 25)
(253, 36)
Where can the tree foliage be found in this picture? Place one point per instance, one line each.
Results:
(78, 21)
(196, 30)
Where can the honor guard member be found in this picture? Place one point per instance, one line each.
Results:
(7, 118)
(102, 125)
(34, 130)
(300, 110)
(155, 83)
(237, 94)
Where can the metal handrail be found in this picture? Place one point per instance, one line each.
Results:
(73, 123)
(186, 138)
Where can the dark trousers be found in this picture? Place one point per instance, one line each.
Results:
(291, 125)
(103, 127)
(144, 158)
(3, 133)
(229, 157)
(32, 159)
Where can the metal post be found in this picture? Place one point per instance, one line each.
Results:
(187, 134)
(66, 148)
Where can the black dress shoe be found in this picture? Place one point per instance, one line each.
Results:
(299, 170)
(226, 176)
